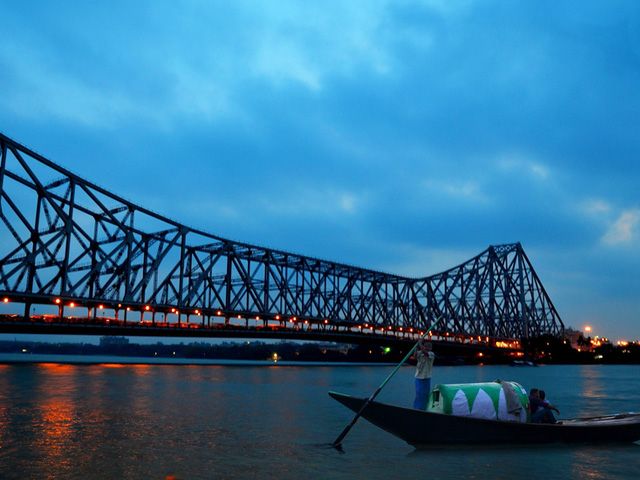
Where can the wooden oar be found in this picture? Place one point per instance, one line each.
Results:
(337, 443)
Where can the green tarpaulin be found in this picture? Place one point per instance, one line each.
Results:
(500, 400)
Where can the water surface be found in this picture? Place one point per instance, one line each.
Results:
(195, 422)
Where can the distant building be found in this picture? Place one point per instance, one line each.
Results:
(113, 341)
(573, 336)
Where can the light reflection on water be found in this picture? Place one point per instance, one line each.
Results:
(151, 421)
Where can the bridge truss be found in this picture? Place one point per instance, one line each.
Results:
(64, 239)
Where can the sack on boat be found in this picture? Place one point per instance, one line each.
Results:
(500, 400)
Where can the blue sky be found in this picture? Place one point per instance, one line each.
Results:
(397, 135)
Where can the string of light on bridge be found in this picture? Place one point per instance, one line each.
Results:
(293, 320)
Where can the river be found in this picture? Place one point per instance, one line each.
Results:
(244, 421)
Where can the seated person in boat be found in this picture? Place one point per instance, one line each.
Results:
(543, 397)
(541, 410)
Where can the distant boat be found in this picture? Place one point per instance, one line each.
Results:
(422, 428)
(523, 363)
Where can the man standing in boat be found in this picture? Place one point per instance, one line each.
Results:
(424, 365)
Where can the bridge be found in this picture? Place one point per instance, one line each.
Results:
(76, 258)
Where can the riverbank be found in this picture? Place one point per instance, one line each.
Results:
(30, 358)
(120, 350)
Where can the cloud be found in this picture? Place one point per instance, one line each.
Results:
(310, 44)
(417, 262)
(520, 164)
(462, 190)
(200, 68)
(198, 95)
(40, 90)
(624, 230)
(596, 207)
(314, 202)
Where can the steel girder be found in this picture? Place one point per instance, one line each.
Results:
(62, 236)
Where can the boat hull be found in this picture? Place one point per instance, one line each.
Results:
(420, 428)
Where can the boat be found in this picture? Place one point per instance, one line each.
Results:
(421, 428)
(523, 363)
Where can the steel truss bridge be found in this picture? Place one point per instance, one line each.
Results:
(68, 245)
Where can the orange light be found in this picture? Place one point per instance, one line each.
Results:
(277, 317)
(57, 301)
(239, 316)
(147, 307)
(295, 318)
(5, 299)
(101, 307)
(119, 305)
(72, 304)
(197, 312)
(128, 309)
(480, 354)
(219, 313)
(173, 310)
(587, 329)
(257, 318)
(327, 321)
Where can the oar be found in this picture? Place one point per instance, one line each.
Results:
(337, 443)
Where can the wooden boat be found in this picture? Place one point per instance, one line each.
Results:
(421, 428)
